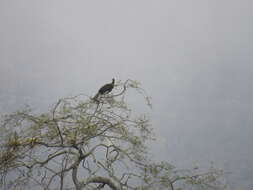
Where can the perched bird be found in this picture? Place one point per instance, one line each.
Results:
(105, 89)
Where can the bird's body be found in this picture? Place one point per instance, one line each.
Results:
(105, 89)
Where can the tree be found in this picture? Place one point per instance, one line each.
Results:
(82, 144)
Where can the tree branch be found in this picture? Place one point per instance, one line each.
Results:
(101, 180)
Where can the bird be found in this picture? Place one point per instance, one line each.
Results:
(105, 89)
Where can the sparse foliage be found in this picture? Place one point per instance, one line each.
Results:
(82, 144)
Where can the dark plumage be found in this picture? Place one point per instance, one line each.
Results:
(105, 89)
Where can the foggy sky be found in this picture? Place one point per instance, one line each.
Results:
(194, 58)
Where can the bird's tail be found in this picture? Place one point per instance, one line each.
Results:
(95, 98)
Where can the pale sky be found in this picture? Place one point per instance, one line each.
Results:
(194, 58)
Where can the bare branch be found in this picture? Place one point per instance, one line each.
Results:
(101, 180)
(55, 121)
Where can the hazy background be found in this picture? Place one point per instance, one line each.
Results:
(193, 57)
